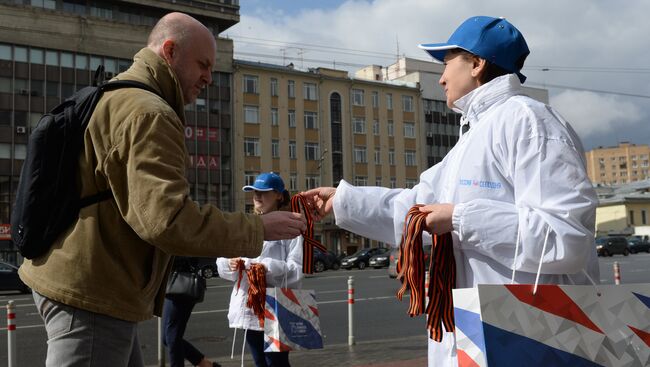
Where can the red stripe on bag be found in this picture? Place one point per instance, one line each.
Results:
(268, 315)
(641, 334)
(290, 295)
(314, 310)
(442, 274)
(308, 236)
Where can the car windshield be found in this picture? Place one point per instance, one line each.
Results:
(601, 241)
(360, 252)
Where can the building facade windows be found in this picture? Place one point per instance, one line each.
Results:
(311, 120)
(410, 183)
(360, 181)
(292, 118)
(250, 84)
(293, 182)
(275, 119)
(389, 101)
(391, 128)
(312, 181)
(375, 127)
(360, 154)
(377, 156)
(274, 87)
(292, 149)
(357, 97)
(391, 157)
(275, 148)
(249, 177)
(409, 130)
(252, 147)
(309, 91)
(312, 151)
(375, 99)
(251, 114)
(407, 103)
(291, 89)
(358, 125)
(409, 158)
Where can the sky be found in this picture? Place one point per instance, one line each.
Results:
(592, 55)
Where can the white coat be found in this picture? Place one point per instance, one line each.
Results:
(283, 262)
(520, 167)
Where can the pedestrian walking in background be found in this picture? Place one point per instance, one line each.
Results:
(517, 171)
(176, 314)
(283, 263)
(108, 271)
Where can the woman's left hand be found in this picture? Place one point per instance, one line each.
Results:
(439, 217)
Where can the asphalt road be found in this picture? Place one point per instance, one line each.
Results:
(377, 314)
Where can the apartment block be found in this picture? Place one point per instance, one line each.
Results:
(317, 127)
(618, 165)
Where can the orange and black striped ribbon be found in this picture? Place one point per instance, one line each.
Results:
(308, 236)
(257, 290)
(442, 274)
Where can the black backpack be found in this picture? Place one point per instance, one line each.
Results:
(47, 200)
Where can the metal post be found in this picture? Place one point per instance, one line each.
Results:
(161, 347)
(617, 273)
(350, 310)
(11, 335)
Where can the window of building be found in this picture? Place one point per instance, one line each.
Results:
(95, 61)
(67, 60)
(51, 58)
(250, 84)
(312, 151)
(375, 127)
(377, 156)
(391, 128)
(393, 183)
(5, 85)
(632, 217)
(291, 89)
(110, 65)
(275, 148)
(360, 154)
(75, 6)
(20, 54)
(391, 157)
(309, 91)
(252, 147)
(311, 120)
(312, 181)
(360, 181)
(357, 97)
(101, 11)
(292, 149)
(292, 118)
(36, 56)
(358, 125)
(409, 158)
(644, 219)
(251, 114)
(5, 52)
(275, 119)
(249, 177)
(375, 99)
(410, 183)
(409, 130)
(293, 182)
(389, 101)
(274, 87)
(407, 103)
(378, 181)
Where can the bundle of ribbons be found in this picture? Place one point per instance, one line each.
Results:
(442, 274)
(256, 274)
(308, 236)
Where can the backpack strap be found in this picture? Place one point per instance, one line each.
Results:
(116, 84)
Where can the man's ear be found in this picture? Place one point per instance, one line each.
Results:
(168, 50)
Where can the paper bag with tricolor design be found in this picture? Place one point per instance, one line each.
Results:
(291, 320)
(560, 325)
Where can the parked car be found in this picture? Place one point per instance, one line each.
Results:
(9, 279)
(361, 258)
(325, 261)
(610, 246)
(637, 244)
(394, 255)
(380, 261)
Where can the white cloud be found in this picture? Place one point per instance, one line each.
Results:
(592, 114)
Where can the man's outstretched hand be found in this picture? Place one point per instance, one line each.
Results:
(281, 225)
(439, 217)
(319, 201)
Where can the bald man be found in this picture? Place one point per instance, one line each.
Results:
(108, 271)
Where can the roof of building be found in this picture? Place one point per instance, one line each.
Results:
(631, 192)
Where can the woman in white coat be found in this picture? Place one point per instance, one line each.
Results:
(517, 171)
(283, 263)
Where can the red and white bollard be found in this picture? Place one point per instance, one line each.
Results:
(350, 310)
(11, 335)
(617, 273)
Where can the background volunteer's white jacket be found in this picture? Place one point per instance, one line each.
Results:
(282, 260)
(520, 167)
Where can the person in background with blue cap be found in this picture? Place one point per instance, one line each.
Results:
(517, 174)
(282, 260)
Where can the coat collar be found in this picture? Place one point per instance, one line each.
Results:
(152, 70)
(475, 103)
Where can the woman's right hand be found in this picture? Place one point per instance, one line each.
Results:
(233, 263)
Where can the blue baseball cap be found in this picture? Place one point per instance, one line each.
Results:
(266, 182)
(492, 39)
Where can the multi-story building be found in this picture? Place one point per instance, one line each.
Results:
(622, 164)
(624, 209)
(316, 127)
(50, 48)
